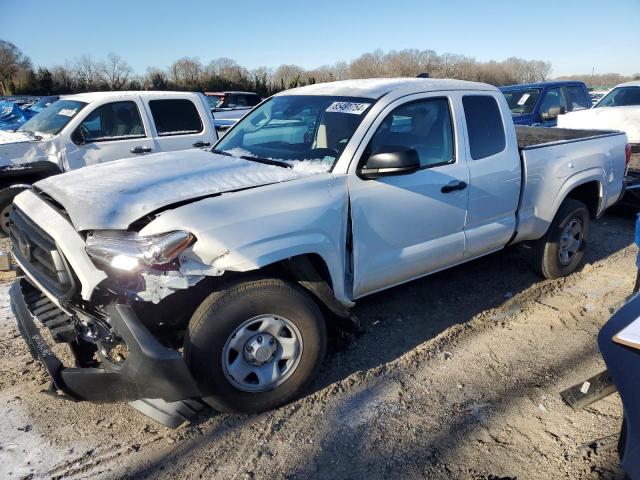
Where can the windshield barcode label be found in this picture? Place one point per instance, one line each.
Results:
(348, 107)
(67, 112)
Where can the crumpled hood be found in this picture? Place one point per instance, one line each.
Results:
(113, 195)
(626, 119)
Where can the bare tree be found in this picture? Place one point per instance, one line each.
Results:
(86, 72)
(186, 72)
(115, 72)
(12, 62)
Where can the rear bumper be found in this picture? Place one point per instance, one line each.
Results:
(150, 370)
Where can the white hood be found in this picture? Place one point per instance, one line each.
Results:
(113, 195)
(626, 119)
(17, 148)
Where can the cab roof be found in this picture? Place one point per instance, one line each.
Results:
(558, 83)
(93, 96)
(377, 87)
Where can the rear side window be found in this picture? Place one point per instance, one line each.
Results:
(252, 100)
(175, 117)
(113, 121)
(484, 126)
(577, 100)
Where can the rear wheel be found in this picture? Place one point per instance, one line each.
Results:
(561, 250)
(255, 345)
(6, 202)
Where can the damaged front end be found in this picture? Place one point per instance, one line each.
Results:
(119, 353)
(146, 268)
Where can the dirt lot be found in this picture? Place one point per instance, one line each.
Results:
(455, 376)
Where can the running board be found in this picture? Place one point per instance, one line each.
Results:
(590, 391)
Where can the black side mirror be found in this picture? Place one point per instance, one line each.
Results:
(553, 112)
(77, 137)
(395, 161)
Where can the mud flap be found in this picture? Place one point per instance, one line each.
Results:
(586, 393)
(169, 414)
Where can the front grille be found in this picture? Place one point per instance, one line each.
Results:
(38, 253)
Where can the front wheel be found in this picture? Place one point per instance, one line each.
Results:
(561, 250)
(6, 202)
(255, 345)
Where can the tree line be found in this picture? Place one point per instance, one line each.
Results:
(81, 74)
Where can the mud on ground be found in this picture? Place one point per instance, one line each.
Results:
(455, 376)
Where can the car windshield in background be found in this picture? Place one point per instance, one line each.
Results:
(621, 97)
(53, 118)
(305, 131)
(522, 101)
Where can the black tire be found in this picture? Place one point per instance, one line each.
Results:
(545, 258)
(222, 312)
(6, 199)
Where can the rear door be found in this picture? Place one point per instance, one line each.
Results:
(406, 226)
(577, 98)
(178, 124)
(494, 171)
(110, 131)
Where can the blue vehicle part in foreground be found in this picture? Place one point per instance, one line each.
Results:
(12, 116)
(533, 103)
(623, 364)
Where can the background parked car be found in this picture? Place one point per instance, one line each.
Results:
(539, 104)
(99, 127)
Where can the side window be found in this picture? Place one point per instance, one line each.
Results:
(113, 121)
(175, 117)
(553, 98)
(577, 99)
(237, 101)
(484, 126)
(425, 126)
(252, 100)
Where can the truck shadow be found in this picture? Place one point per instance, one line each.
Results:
(395, 321)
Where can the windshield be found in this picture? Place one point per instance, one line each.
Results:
(305, 131)
(53, 119)
(620, 97)
(522, 101)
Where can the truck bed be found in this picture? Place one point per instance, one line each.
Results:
(529, 137)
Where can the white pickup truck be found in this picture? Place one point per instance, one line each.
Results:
(212, 274)
(90, 128)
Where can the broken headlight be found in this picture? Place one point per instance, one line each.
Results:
(128, 250)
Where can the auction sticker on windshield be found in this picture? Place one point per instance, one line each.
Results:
(523, 99)
(67, 112)
(347, 107)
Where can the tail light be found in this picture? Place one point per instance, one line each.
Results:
(627, 158)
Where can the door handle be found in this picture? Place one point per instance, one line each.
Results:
(201, 144)
(140, 150)
(453, 186)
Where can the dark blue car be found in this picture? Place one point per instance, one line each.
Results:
(539, 104)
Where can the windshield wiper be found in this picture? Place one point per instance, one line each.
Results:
(266, 161)
(220, 152)
(31, 134)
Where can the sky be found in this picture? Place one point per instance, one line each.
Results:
(575, 36)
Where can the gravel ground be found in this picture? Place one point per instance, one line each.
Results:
(455, 376)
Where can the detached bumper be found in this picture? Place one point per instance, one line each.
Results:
(150, 370)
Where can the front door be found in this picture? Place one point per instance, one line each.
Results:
(409, 225)
(110, 132)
